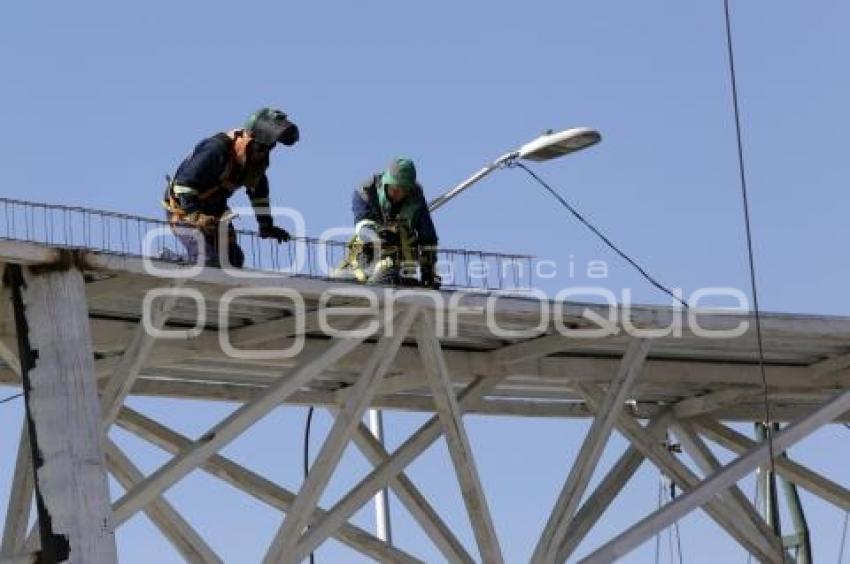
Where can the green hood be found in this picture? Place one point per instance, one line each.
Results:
(401, 173)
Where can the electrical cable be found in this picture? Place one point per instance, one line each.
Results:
(670, 538)
(756, 498)
(750, 253)
(671, 495)
(597, 232)
(10, 398)
(667, 494)
(678, 540)
(307, 425)
(846, 522)
(658, 534)
(679, 543)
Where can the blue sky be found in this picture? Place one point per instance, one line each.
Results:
(100, 100)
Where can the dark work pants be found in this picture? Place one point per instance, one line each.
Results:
(191, 238)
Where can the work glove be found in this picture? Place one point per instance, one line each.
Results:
(206, 223)
(431, 280)
(367, 253)
(268, 231)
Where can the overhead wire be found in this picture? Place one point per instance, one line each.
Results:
(658, 534)
(678, 540)
(750, 253)
(307, 426)
(844, 529)
(10, 398)
(843, 538)
(667, 481)
(665, 486)
(672, 493)
(756, 498)
(667, 492)
(652, 280)
(749, 243)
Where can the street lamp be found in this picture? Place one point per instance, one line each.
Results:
(546, 147)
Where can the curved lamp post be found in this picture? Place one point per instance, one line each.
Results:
(546, 147)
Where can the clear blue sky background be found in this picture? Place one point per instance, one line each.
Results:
(100, 99)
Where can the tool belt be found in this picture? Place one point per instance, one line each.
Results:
(176, 214)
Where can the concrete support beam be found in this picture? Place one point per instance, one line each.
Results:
(720, 481)
(416, 504)
(20, 499)
(228, 429)
(256, 486)
(64, 414)
(177, 530)
(345, 424)
(366, 489)
(792, 471)
(457, 440)
(590, 452)
(708, 464)
(607, 490)
(718, 508)
(135, 355)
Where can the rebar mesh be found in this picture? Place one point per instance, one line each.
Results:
(129, 235)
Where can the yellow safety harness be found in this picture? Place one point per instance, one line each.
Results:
(358, 262)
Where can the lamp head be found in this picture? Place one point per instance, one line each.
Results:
(553, 145)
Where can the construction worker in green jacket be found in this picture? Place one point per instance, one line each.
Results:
(394, 233)
(196, 199)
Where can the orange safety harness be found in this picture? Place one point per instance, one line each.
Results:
(227, 181)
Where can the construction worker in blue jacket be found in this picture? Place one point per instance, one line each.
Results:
(394, 233)
(196, 198)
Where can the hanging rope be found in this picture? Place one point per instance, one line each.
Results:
(750, 253)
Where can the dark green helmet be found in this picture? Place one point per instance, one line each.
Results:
(268, 126)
